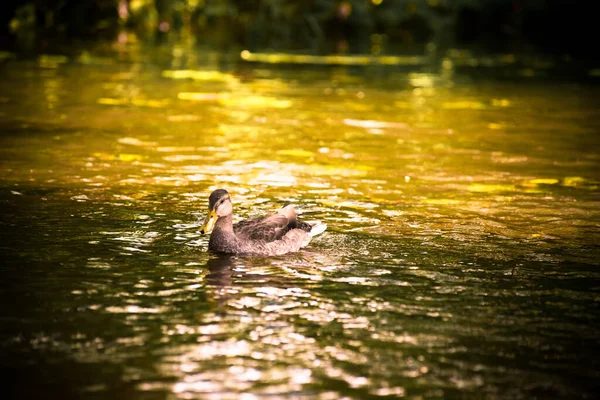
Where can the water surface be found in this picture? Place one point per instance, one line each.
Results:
(461, 258)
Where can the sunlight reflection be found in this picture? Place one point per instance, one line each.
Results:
(199, 75)
(375, 124)
(287, 58)
(446, 199)
(136, 310)
(236, 100)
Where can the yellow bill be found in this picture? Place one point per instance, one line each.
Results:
(209, 222)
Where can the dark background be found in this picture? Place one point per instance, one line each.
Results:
(562, 28)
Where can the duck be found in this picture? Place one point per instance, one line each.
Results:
(270, 235)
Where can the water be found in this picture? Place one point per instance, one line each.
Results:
(461, 258)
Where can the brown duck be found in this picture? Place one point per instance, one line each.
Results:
(271, 235)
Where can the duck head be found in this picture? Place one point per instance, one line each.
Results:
(219, 205)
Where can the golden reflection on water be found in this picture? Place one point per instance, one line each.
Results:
(267, 311)
(275, 340)
(286, 58)
(421, 167)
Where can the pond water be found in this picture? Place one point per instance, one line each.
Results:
(461, 260)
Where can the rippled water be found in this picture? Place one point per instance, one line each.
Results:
(461, 258)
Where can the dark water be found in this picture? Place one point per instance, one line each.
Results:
(461, 259)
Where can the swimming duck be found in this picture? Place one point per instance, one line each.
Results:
(271, 235)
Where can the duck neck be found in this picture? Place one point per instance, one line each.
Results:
(222, 235)
(225, 224)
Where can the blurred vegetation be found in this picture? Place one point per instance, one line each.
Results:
(314, 26)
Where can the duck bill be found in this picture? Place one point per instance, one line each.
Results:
(209, 222)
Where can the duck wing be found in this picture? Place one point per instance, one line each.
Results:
(265, 229)
(291, 242)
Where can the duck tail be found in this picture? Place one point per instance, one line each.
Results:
(317, 228)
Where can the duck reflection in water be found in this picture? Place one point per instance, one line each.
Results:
(226, 276)
(220, 270)
(227, 270)
(230, 277)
